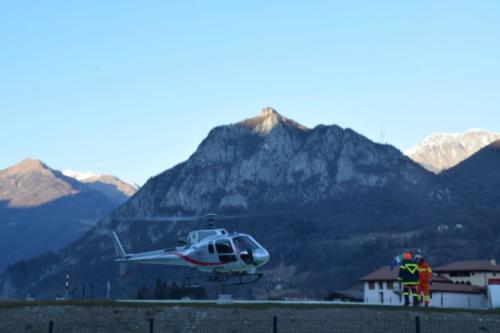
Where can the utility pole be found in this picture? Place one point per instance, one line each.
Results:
(66, 286)
(108, 289)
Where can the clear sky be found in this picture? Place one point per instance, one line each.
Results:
(132, 87)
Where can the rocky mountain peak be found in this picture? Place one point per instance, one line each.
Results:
(441, 151)
(32, 183)
(28, 165)
(270, 160)
(268, 119)
(268, 111)
(496, 144)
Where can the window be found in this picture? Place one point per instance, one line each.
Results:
(205, 233)
(390, 285)
(243, 243)
(223, 246)
(371, 285)
(227, 258)
(381, 297)
(211, 247)
(380, 285)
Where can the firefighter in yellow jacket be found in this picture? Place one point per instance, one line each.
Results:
(408, 275)
(424, 280)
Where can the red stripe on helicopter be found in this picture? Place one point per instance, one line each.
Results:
(197, 262)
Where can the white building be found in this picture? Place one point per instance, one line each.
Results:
(382, 287)
(471, 272)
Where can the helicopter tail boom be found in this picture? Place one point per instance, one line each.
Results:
(120, 252)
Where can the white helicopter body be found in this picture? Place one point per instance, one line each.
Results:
(210, 250)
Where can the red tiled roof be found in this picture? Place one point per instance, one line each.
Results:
(440, 279)
(456, 288)
(384, 273)
(470, 266)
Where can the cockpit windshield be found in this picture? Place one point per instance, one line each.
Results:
(244, 243)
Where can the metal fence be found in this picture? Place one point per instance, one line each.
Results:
(275, 324)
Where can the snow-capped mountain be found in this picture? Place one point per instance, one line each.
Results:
(442, 151)
(89, 175)
(78, 175)
(113, 187)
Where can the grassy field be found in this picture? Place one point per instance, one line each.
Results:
(115, 316)
(249, 305)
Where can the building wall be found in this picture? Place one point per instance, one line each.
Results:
(459, 300)
(475, 278)
(382, 292)
(494, 292)
(439, 299)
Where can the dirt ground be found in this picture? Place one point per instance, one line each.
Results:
(97, 317)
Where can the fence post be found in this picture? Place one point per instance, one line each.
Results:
(275, 324)
(417, 324)
(51, 326)
(151, 325)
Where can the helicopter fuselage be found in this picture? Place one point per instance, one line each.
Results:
(212, 250)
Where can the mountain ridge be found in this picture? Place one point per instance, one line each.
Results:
(342, 204)
(441, 151)
(41, 209)
(116, 189)
(31, 183)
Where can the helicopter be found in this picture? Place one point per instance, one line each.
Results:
(225, 256)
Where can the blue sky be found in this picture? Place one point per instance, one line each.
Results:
(132, 87)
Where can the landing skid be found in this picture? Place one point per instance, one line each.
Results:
(235, 279)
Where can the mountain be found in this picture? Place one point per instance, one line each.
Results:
(478, 177)
(329, 205)
(41, 210)
(31, 183)
(439, 152)
(117, 190)
(270, 160)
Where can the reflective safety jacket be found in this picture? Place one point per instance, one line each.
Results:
(408, 273)
(425, 272)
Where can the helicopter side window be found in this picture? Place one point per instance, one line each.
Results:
(211, 247)
(223, 246)
(227, 258)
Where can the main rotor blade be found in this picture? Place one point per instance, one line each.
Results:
(209, 217)
(246, 216)
(174, 219)
(165, 219)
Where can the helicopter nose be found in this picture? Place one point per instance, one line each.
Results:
(261, 257)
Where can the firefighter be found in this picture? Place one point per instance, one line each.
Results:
(408, 275)
(424, 281)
